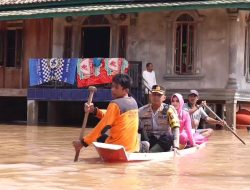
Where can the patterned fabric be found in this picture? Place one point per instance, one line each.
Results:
(45, 70)
(85, 68)
(173, 117)
(115, 65)
(97, 65)
(89, 67)
(92, 71)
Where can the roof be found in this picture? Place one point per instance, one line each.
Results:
(16, 2)
(113, 8)
(37, 2)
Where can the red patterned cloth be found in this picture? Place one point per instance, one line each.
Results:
(92, 71)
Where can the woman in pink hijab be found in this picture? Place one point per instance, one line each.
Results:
(185, 121)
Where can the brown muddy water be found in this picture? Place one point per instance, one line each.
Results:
(40, 158)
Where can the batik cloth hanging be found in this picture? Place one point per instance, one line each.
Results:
(93, 71)
(58, 69)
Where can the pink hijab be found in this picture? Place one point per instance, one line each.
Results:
(181, 101)
(184, 117)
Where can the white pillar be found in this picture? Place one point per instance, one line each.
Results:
(232, 80)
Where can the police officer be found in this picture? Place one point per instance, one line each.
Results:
(159, 123)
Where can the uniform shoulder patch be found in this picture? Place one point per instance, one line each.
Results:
(173, 109)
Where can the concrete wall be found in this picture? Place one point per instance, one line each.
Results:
(241, 32)
(219, 51)
(147, 42)
(215, 49)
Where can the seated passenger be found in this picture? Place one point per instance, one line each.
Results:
(159, 123)
(197, 112)
(186, 136)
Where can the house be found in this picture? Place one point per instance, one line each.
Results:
(201, 45)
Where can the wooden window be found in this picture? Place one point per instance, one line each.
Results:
(11, 44)
(184, 45)
(68, 31)
(1, 47)
(19, 45)
(13, 47)
(123, 41)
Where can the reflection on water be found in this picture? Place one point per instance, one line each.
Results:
(42, 158)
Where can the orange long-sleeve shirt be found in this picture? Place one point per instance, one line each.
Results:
(122, 116)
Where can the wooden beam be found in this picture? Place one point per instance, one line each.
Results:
(7, 92)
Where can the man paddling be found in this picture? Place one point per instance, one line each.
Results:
(159, 123)
(121, 117)
(197, 112)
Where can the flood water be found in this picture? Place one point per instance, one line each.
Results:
(42, 158)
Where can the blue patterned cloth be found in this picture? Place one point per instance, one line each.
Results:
(45, 70)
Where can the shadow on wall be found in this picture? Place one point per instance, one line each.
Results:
(13, 110)
(66, 113)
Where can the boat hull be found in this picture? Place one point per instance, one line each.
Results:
(117, 153)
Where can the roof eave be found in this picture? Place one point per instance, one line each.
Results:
(245, 6)
(58, 4)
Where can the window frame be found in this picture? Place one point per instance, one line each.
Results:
(123, 36)
(2, 54)
(18, 46)
(68, 39)
(171, 23)
(177, 24)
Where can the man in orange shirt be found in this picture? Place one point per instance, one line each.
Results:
(121, 117)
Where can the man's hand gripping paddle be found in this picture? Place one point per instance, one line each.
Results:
(92, 90)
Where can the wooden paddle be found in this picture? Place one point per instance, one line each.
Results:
(92, 90)
(223, 121)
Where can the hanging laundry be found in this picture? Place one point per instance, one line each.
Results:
(92, 71)
(97, 65)
(85, 68)
(115, 65)
(45, 70)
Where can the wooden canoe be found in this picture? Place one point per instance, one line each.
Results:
(117, 153)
